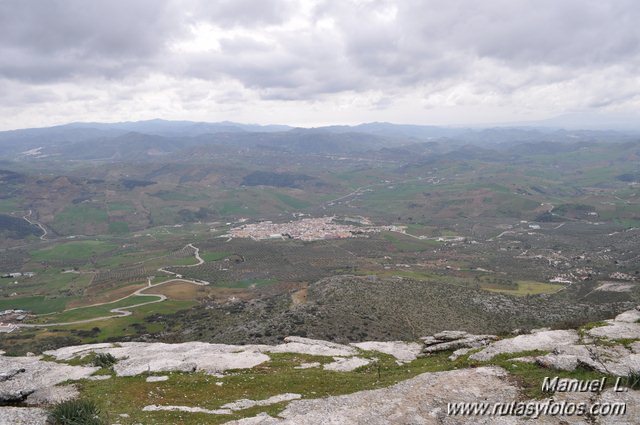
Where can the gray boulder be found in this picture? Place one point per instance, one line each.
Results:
(543, 340)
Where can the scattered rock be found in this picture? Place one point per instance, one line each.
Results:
(420, 400)
(402, 351)
(631, 316)
(454, 340)
(135, 358)
(157, 378)
(29, 378)
(260, 419)
(245, 403)
(156, 408)
(450, 335)
(525, 359)
(543, 340)
(308, 365)
(22, 415)
(5, 375)
(631, 400)
(346, 364)
(228, 408)
(459, 353)
(314, 347)
(51, 395)
(616, 330)
(614, 360)
(559, 362)
(429, 340)
(99, 377)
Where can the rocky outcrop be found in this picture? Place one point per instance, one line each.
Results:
(315, 347)
(543, 340)
(22, 416)
(30, 380)
(246, 403)
(624, 326)
(610, 357)
(346, 364)
(420, 400)
(454, 340)
(402, 351)
(228, 408)
(135, 358)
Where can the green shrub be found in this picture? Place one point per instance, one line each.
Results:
(632, 380)
(105, 360)
(76, 412)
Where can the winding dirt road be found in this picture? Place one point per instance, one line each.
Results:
(35, 223)
(125, 311)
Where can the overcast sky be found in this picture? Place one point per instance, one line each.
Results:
(317, 62)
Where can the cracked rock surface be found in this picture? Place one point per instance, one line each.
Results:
(455, 340)
(22, 416)
(543, 340)
(30, 380)
(610, 358)
(420, 400)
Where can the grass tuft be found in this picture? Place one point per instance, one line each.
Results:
(105, 360)
(76, 412)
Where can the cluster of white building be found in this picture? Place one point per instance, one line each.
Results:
(7, 327)
(306, 229)
(13, 275)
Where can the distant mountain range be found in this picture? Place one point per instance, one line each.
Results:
(157, 138)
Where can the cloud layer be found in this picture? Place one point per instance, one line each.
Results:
(315, 62)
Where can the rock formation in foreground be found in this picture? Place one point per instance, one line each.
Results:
(32, 383)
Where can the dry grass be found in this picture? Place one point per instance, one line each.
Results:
(178, 290)
(108, 296)
(299, 297)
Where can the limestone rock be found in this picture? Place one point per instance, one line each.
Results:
(558, 361)
(36, 378)
(99, 377)
(632, 401)
(429, 340)
(307, 365)
(157, 378)
(631, 316)
(346, 364)
(135, 358)
(22, 416)
(245, 403)
(450, 335)
(315, 347)
(459, 353)
(52, 395)
(188, 409)
(420, 400)
(454, 340)
(138, 357)
(616, 330)
(402, 351)
(543, 340)
(616, 360)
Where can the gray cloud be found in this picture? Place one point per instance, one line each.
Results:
(383, 52)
